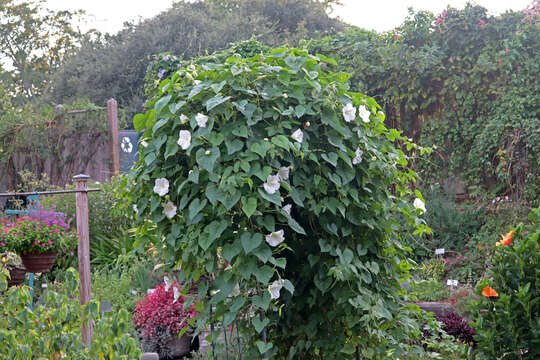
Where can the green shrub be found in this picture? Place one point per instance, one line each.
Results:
(507, 323)
(257, 176)
(52, 330)
(429, 290)
(453, 225)
(434, 268)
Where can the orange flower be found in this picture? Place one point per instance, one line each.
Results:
(489, 292)
(505, 239)
(480, 247)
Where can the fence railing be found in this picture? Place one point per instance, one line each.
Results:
(81, 199)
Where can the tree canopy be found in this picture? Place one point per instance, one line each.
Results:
(115, 66)
(34, 41)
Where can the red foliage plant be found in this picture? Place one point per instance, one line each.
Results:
(160, 309)
(456, 326)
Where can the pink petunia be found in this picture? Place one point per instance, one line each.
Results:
(43, 244)
(50, 242)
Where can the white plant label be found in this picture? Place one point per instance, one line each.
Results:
(451, 282)
(439, 251)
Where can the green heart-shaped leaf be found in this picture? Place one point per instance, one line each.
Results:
(231, 250)
(207, 160)
(263, 348)
(258, 324)
(249, 205)
(264, 274)
(161, 103)
(262, 302)
(250, 241)
(331, 158)
(195, 207)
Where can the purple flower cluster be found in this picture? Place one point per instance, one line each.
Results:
(50, 216)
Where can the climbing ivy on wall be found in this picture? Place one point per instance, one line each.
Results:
(463, 82)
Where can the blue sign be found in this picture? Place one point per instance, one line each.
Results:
(129, 149)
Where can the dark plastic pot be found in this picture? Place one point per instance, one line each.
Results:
(17, 275)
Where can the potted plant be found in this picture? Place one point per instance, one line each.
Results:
(12, 262)
(37, 237)
(160, 317)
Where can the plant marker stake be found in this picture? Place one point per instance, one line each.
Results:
(149, 356)
(83, 231)
(31, 285)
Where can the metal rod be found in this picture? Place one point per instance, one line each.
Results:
(214, 356)
(238, 341)
(226, 345)
(48, 192)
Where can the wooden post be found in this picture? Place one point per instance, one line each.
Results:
(112, 119)
(81, 182)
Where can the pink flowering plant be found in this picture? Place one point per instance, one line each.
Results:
(163, 309)
(38, 232)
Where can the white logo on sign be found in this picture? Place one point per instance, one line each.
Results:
(126, 145)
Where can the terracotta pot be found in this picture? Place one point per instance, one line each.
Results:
(17, 275)
(39, 263)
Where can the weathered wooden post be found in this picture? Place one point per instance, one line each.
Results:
(112, 119)
(81, 182)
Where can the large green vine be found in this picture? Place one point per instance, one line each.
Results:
(280, 192)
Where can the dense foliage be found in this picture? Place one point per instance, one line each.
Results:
(464, 82)
(259, 176)
(115, 66)
(458, 327)
(506, 315)
(52, 330)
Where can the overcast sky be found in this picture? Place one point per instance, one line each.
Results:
(380, 15)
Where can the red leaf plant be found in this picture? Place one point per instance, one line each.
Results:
(160, 310)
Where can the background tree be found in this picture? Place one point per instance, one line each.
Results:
(115, 66)
(34, 41)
